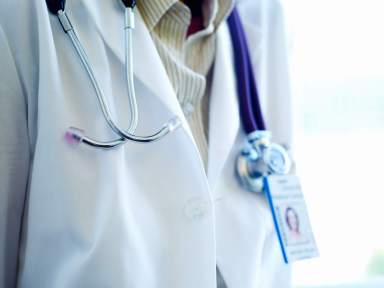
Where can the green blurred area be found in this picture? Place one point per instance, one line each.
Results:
(376, 264)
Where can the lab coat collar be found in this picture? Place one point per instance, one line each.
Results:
(224, 112)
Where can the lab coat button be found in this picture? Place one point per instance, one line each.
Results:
(196, 208)
(188, 109)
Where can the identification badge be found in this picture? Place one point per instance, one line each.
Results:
(290, 217)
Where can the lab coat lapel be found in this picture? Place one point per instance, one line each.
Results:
(148, 67)
(224, 112)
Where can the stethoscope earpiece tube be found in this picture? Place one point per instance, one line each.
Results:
(75, 136)
(64, 21)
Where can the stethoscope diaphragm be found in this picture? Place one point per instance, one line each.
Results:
(259, 159)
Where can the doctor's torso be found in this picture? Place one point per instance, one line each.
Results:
(141, 215)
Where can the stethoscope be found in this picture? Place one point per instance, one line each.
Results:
(258, 159)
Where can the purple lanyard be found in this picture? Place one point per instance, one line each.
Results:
(250, 110)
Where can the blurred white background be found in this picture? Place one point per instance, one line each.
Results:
(338, 61)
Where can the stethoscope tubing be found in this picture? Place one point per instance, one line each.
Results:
(134, 111)
(250, 110)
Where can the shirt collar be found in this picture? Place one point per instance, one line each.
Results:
(153, 10)
(224, 9)
(214, 11)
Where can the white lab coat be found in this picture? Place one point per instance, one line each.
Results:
(141, 215)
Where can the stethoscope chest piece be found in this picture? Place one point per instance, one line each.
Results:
(260, 158)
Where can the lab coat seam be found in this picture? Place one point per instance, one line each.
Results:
(20, 90)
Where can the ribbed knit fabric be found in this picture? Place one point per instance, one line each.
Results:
(187, 59)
